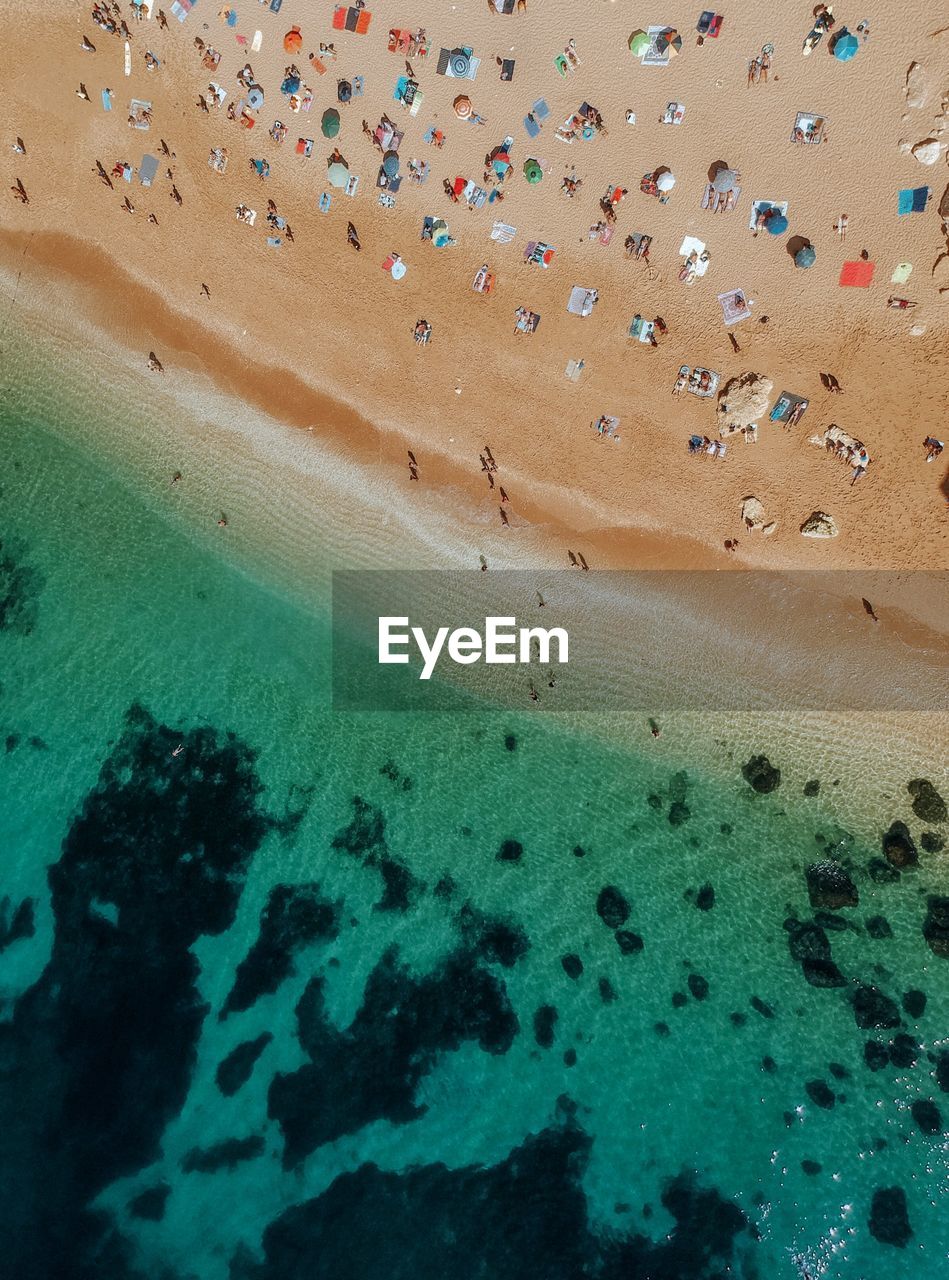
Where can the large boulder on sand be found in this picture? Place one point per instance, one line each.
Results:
(752, 513)
(819, 525)
(743, 400)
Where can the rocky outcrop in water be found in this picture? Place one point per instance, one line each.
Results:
(936, 924)
(889, 1217)
(898, 847)
(928, 804)
(872, 1010)
(830, 886)
(761, 775)
(612, 907)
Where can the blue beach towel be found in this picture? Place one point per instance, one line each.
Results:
(106, 100)
(912, 200)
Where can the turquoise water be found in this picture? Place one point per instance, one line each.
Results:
(428, 1057)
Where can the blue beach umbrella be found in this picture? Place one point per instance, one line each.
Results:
(805, 257)
(390, 164)
(846, 46)
(777, 224)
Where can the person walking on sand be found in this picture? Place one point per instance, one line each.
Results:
(352, 235)
(933, 448)
(19, 147)
(20, 192)
(504, 520)
(206, 292)
(840, 226)
(573, 559)
(82, 92)
(87, 45)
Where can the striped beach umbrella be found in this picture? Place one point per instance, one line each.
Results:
(669, 42)
(462, 105)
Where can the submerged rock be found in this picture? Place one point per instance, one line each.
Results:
(878, 928)
(705, 898)
(698, 986)
(761, 775)
(16, 923)
(931, 842)
(545, 1021)
(898, 847)
(829, 885)
(759, 1006)
(679, 813)
(607, 991)
(914, 1003)
(882, 872)
(812, 788)
(572, 965)
(807, 941)
(873, 1010)
(811, 1168)
(927, 1116)
(510, 851)
(928, 804)
(628, 942)
(822, 974)
(612, 907)
(876, 1055)
(820, 1094)
(903, 1051)
(942, 1070)
(889, 1217)
(936, 924)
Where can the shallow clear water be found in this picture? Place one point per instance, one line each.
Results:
(117, 595)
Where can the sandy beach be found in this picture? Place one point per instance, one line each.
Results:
(316, 336)
(319, 335)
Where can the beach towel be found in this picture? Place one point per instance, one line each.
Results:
(573, 370)
(147, 170)
(902, 273)
(257, 41)
(325, 200)
(507, 69)
(503, 233)
(735, 306)
(106, 100)
(532, 126)
(912, 200)
(581, 301)
(181, 8)
(857, 275)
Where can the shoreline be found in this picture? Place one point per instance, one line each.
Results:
(804, 744)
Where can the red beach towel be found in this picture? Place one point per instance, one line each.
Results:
(857, 275)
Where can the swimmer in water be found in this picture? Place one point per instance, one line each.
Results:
(654, 728)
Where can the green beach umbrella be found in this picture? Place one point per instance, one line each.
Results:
(338, 174)
(330, 123)
(532, 171)
(638, 43)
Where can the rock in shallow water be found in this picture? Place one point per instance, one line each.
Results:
(761, 775)
(878, 928)
(698, 986)
(928, 804)
(889, 1217)
(914, 1003)
(830, 885)
(927, 1116)
(898, 847)
(873, 1010)
(612, 907)
(572, 965)
(545, 1021)
(820, 1094)
(628, 942)
(936, 924)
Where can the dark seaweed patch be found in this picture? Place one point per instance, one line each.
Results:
(294, 916)
(20, 588)
(495, 940)
(365, 839)
(370, 1071)
(234, 1071)
(100, 1051)
(222, 1155)
(150, 1203)
(16, 922)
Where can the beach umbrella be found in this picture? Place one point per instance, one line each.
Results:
(846, 46)
(390, 164)
(344, 91)
(330, 123)
(462, 105)
(290, 85)
(639, 42)
(398, 270)
(805, 257)
(725, 180)
(532, 171)
(666, 181)
(669, 42)
(776, 225)
(460, 63)
(338, 174)
(293, 41)
(255, 97)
